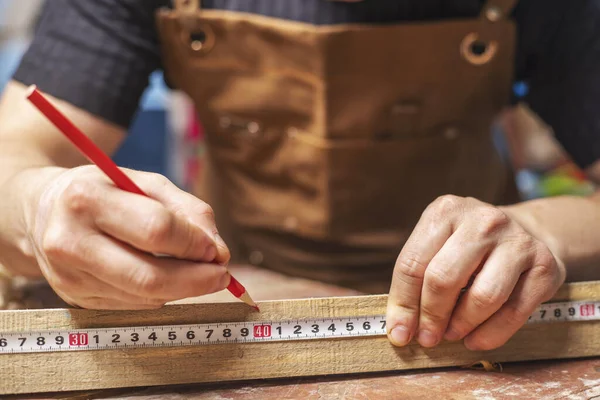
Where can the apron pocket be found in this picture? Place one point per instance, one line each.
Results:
(300, 183)
(379, 186)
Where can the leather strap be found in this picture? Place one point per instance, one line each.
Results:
(187, 6)
(187, 10)
(495, 10)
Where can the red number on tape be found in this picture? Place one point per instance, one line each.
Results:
(262, 331)
(587, 310)
(78, 339)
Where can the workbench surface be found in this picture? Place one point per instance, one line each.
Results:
(572, 380)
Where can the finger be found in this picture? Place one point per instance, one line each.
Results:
(448, 272)
(81, 285)
(535, 286)
(144, 275)
(188, 206)
(489, 291)
(148, 226)
(427, 239)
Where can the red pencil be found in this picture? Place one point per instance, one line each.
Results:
(95, 155)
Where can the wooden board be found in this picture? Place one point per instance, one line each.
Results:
(47, 372)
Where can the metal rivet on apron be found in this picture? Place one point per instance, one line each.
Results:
(290, 223)
(451, 133)
(196, 44)
(476, 51)
(493, 13)
(199, 36)
(292, 132)
(256, 257)
(253, 127)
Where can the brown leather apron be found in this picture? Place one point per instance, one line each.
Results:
(326, 143)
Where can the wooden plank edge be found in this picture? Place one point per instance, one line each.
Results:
(202, 364)
(35, 373)
(325, 307)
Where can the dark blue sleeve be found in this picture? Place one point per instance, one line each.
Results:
(95, 54)
(559, 57)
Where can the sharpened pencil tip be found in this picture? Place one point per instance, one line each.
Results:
(248, 300)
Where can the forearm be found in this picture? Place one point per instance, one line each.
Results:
(570, 227)
(23, 167)
(33, 153)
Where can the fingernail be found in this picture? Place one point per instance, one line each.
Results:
(400, 335)
(426, 338)
(223, 255)
(220, 242)
(452, 335)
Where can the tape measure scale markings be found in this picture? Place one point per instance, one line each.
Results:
(242, 332)
(190, 335)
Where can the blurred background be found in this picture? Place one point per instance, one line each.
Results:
(166, 137)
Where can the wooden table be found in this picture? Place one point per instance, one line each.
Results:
(571, 380)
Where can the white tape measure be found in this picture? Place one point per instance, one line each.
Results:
(241, 332)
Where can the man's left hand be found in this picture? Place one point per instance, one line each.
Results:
(468, 271)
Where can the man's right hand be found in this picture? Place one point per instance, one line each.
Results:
(103, 248)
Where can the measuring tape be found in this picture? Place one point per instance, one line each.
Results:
(242, 332)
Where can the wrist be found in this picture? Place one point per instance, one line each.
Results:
(21, 199)
(34, 183)
(527, 216)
